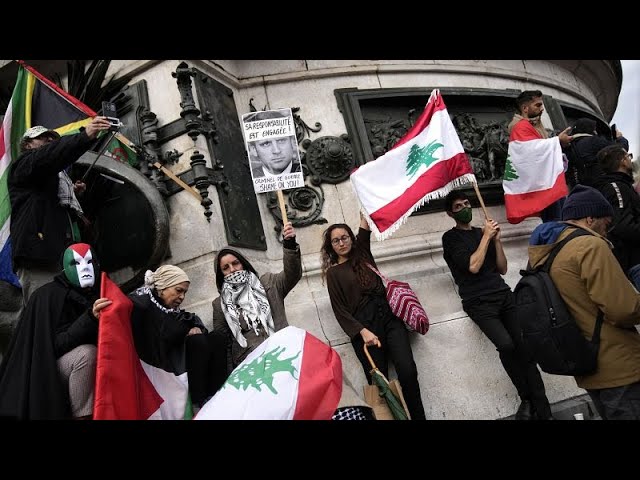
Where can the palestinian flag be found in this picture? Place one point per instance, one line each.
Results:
(425, 164)
(290, 376)
(534, 173)
(36, 100)
(126, 387)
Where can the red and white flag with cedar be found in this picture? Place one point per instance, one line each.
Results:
(534, 173)
(427, 163)
(290, 376)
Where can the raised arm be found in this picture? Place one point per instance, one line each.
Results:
(501, 258)
(291, 260)
(477, 258)
(56, 156)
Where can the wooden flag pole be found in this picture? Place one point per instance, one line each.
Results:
(484, 209)
(283, 209)
(179, 181)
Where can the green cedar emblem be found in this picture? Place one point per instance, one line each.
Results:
(509, 171)
(261, 370)
(421, 156)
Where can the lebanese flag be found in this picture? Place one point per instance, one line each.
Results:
(126, 387)
(290, 376)
(534, 173)
(427, 163)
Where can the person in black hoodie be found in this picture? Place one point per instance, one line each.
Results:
(583, 165)
(616, 184)
(173, 340)
(48, 372)
(44, 206)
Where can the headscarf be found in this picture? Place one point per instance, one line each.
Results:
(164, 277)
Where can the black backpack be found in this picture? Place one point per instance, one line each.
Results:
(550, 334)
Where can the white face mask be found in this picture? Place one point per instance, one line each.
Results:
(84, 267)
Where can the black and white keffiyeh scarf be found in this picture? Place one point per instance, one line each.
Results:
(243, 292)
(66, 195)
(146, 290)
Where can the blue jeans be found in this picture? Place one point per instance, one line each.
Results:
(617, 403)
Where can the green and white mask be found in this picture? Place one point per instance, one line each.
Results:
(79, 267)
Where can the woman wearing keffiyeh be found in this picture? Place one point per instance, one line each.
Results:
(251, 307)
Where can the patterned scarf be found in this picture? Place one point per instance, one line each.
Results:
(149, 286)
(243, 292)
(66, 195)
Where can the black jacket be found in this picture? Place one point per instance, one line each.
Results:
(55, 321)
(624, 231)
(40, 227)
(583, 165)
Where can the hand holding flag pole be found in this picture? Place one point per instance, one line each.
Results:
(102, 150)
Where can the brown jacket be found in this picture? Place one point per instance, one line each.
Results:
(276, 286)
(588, 277)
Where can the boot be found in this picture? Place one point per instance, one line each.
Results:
(525, 411)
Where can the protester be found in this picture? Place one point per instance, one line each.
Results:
(527, 123)
(589, 279)
(48, 372)
(174, 340)
(44, 208)
(477, 262)
(359, 302)
(251, 308)
(616, 184)
(582, 152)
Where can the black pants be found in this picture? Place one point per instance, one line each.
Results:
(206, 362)
(376, 316)
(495, 314)
(617, 403)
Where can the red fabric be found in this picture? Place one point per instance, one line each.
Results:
(405, 305)
(524, 131)
(70, 98)
(123, 390)
(436, 177)
(320, 384)
(519, 207)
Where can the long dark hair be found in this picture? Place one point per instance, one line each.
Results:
(357, 256)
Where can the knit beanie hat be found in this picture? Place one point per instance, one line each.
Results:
(584, 202)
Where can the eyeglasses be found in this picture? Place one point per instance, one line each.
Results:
(344, 239)
(629, 156)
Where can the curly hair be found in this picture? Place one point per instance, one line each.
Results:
(358, 257)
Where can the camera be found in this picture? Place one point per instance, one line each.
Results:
(109, 111)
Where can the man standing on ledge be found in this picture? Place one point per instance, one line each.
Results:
(527, 125)
(44, 207)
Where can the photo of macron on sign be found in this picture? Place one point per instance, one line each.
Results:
(270, 139)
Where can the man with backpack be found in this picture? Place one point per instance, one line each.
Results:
(590, 280)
